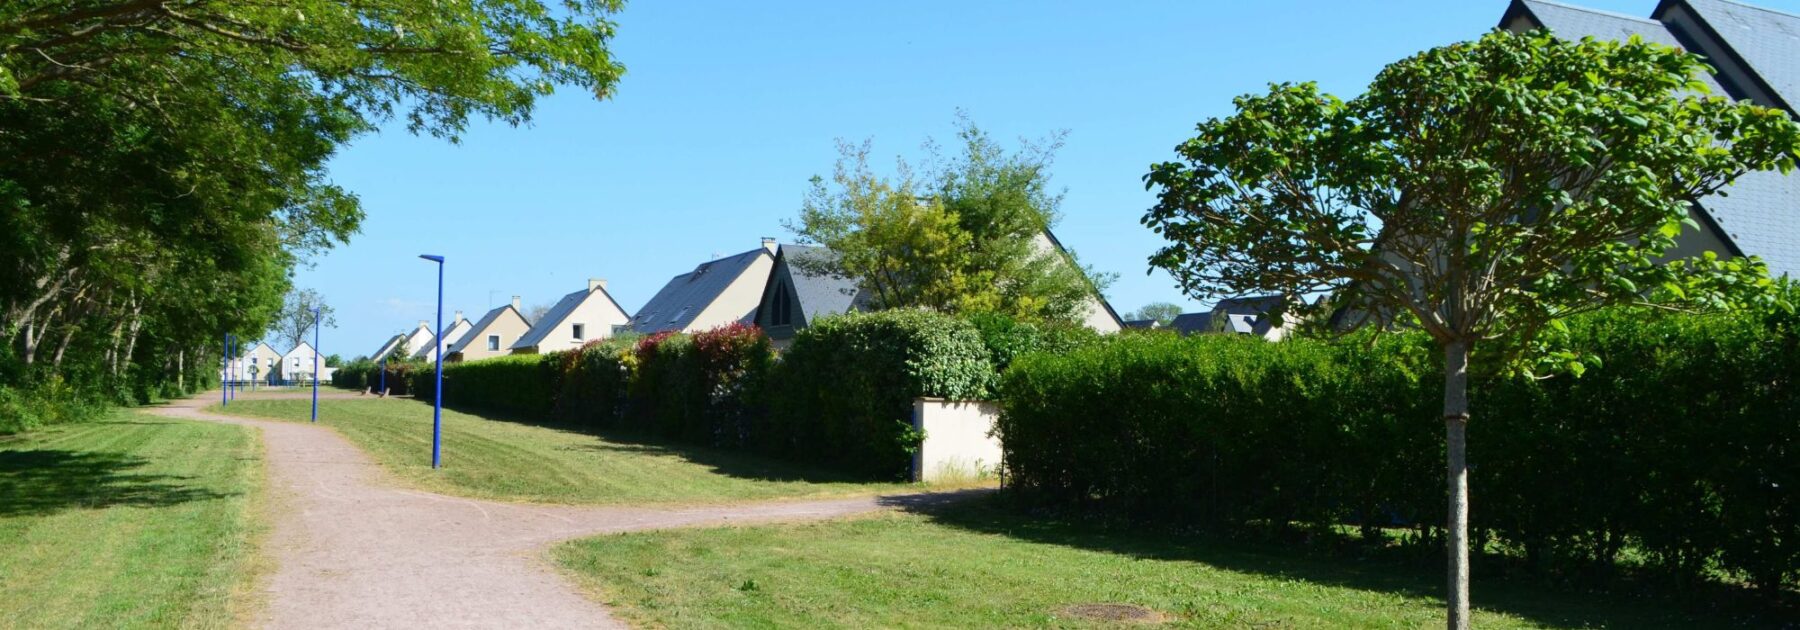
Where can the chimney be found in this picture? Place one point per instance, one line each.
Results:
(769, 243)
(458, 317)
(596, 283)
(515, 302)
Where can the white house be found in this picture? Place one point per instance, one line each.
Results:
(576, 319)
(714, 294)
(497, 331)
(452, 334)
(297, 364)
(256, 363)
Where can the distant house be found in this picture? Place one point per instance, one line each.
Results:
(297, 364)
(492, 336)
(576, 319)
(256, 363)
(1245, 316)
(392, 345)
(715, 293)
(452, 334)
(1142, 324)
(799, 292)
(1755, 53)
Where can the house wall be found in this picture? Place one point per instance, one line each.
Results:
(597, 314)
(418, 338)
(451, 334)
(298, 363)
(1095, 314)
(509, 326)
(737, 301)
(957, 446)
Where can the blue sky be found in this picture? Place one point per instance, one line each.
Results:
(727, 108)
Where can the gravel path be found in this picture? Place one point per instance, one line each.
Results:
(353, 549)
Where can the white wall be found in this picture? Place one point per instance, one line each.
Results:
(957, 446)
(597, 314)
(738, 300)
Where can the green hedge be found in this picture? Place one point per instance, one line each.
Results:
(1681, 446)
(842, 395)
(518, 384)
(591, 391)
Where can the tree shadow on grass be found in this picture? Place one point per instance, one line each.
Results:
(1618, 605)
(47, 481)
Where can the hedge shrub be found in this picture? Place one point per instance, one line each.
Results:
(1682, 446)
(592, 390)
(517, 384)
(842, 394)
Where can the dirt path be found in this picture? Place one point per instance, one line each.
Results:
(352, 549)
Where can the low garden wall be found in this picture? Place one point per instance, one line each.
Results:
(957, 441)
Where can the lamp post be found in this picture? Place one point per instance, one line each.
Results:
(437, 389)
(315, 374)
(384, 376)
(225, 370)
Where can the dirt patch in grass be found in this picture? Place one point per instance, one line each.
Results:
(1116, 613)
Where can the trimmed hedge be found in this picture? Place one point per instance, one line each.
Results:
(1682, 446)
(842, 395)
(519, 384)
(366, 374)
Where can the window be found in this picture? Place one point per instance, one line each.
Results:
(579, 331)
(494, 343)
(678, 315)
(252, 361)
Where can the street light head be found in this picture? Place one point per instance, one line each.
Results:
(435, 259)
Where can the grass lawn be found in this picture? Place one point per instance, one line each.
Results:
(976, 565)
(134, 521)
(494, 459)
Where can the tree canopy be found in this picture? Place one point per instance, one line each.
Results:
(968, 235)
(1480, 192)
(166, 158)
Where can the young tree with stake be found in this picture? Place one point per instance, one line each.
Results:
(1480, 192)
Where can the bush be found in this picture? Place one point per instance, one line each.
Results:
(1681, 446)
(705, 388)
(1007, 338)
(519, 384)
(842, 394)
(592, 389)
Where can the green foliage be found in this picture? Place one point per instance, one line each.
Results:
(1680, 445)
(1007, 338)
(1160, 312)
(842, 395)
(520, 384)
(965, 238)
(595, 382)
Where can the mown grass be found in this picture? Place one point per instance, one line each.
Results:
(130, 522)
(977, 565)
(495, 459)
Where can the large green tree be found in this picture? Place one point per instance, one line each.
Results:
(969, 234)
(166, 158)
(1480, 192)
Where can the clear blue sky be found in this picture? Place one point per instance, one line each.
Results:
(727, 108)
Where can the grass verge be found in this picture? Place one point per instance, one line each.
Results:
(131, 522)
(976, 565)
(495, 459)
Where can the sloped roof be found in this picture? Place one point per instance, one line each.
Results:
(687, 295)
(486, 320)
(1253, 305)
(392, 344)
(297, 348)
(559, 312)
(1141, 323)
(1759, 214)
(1768, 41)
(457, 330)
(820, 292)
(1191, 323)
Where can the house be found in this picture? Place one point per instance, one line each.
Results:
(714, 294)
(1756, 55)
(492, 336)
(392, 345)
(297, 364)
(576, 319)
(259, 362)
(1143, 324)
(1244, 316)
(799, 292)
(452, 334)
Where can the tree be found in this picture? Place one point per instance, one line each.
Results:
(1480, 192)
(968, 236)
(333, 360)
(536, 312)
(294, 323)
(1161, 312)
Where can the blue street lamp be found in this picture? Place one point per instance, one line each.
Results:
(437, 390)
(315, 373)
(225, 370)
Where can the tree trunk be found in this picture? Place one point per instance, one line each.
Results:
(181, 371)
(1456, 424)
(62, 347)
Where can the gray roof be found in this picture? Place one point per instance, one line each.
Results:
(419, 353)
(1254, 305)
(1192, 323)
(1768, 41)
(555, 316)
(1759, 214)
(1141, 323)
(687, 295)
(482, 324)
(392, 344)
(820, 292)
